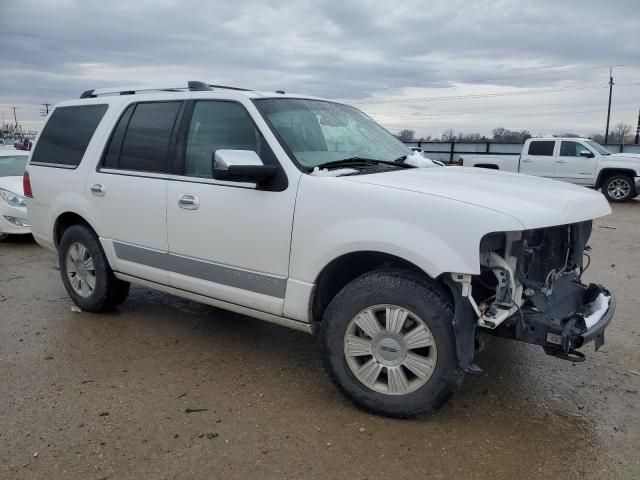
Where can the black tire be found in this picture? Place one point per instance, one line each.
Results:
(108, 292)
(623, 180)
(407, 290)
(3, 236)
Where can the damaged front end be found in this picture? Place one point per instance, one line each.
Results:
(530, 290)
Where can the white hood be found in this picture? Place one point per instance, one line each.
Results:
(13, 184)
(624, 157)
(535, 202)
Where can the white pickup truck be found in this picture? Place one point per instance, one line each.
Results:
(576, 160)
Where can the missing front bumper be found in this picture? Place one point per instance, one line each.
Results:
(562, 337)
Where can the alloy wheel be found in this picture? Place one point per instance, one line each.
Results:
(390, 349)
(80, 270)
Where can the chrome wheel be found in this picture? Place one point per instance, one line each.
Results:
(390, 349)
(80, 270)
(619, 188)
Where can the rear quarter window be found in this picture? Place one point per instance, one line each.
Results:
(544, 148)
(67, 134)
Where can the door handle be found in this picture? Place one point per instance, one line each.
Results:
(526, 160)
(562, 161)
(188, 201)
(98, 189)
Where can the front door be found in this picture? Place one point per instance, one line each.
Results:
(538, 160)
(573, 166)
(227, 240)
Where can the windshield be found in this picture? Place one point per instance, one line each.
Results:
(13, 166)
(317, 132)
(598, 148)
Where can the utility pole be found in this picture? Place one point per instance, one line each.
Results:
(606, 133)
(44, 111)
(638, 129)
(15, 118)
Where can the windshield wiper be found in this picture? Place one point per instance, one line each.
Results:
(355, 161)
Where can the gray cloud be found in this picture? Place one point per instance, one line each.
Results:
(54, 50)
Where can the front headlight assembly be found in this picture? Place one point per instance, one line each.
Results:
(13, 199)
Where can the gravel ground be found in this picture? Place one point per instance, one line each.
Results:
(168, 388)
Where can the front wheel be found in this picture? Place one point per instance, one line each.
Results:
(86, 274)
(388, 344)
(619, 188)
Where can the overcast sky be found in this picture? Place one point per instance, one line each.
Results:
(537, 65)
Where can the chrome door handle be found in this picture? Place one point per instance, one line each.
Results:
(98, 190)
(526, 160)
(562, 161)
(188, 201)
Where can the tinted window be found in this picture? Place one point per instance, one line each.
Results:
(113, 152)
(542, 148)
(571, 149)
(146, 142)
(67, 134)
(217, 126)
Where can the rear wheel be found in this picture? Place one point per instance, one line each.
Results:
(388, 344)
(86, 274)
(619, 188)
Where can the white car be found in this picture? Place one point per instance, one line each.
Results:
(13, 204)
(306, 213)
(575, 160)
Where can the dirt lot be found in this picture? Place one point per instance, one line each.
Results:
(87, 396)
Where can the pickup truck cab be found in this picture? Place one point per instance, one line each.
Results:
(576, 160)
(306, 213)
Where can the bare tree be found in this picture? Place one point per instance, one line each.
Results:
(448, 135)
(406, 135)
(426, 138)
(622, 130)
(597, 137)
(500, 133)
(469, 137)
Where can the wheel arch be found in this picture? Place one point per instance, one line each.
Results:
(65, 220)
(610, 171)
(347, 267)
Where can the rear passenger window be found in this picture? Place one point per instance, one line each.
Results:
(67, 134)
(141, 139)
(215, 126)
(544, 148)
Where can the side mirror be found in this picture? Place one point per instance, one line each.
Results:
(241, 166)
(586, 154)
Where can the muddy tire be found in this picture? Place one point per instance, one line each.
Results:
(86, 274)
(388, 344)
(619, 188)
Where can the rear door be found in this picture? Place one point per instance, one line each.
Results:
(573, 167)
(127, 192)
(538, 159)
(231, 240)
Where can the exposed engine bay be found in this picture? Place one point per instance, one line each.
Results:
(530, 290)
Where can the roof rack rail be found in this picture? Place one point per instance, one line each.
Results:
(191, 86)
(231, 88)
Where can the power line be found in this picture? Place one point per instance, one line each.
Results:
(479, 95)
(452, 83)
(529, 108)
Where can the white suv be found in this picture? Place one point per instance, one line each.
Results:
(306, 213)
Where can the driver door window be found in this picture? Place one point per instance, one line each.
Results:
(215, 126)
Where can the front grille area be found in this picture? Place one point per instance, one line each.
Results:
(546, 250)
